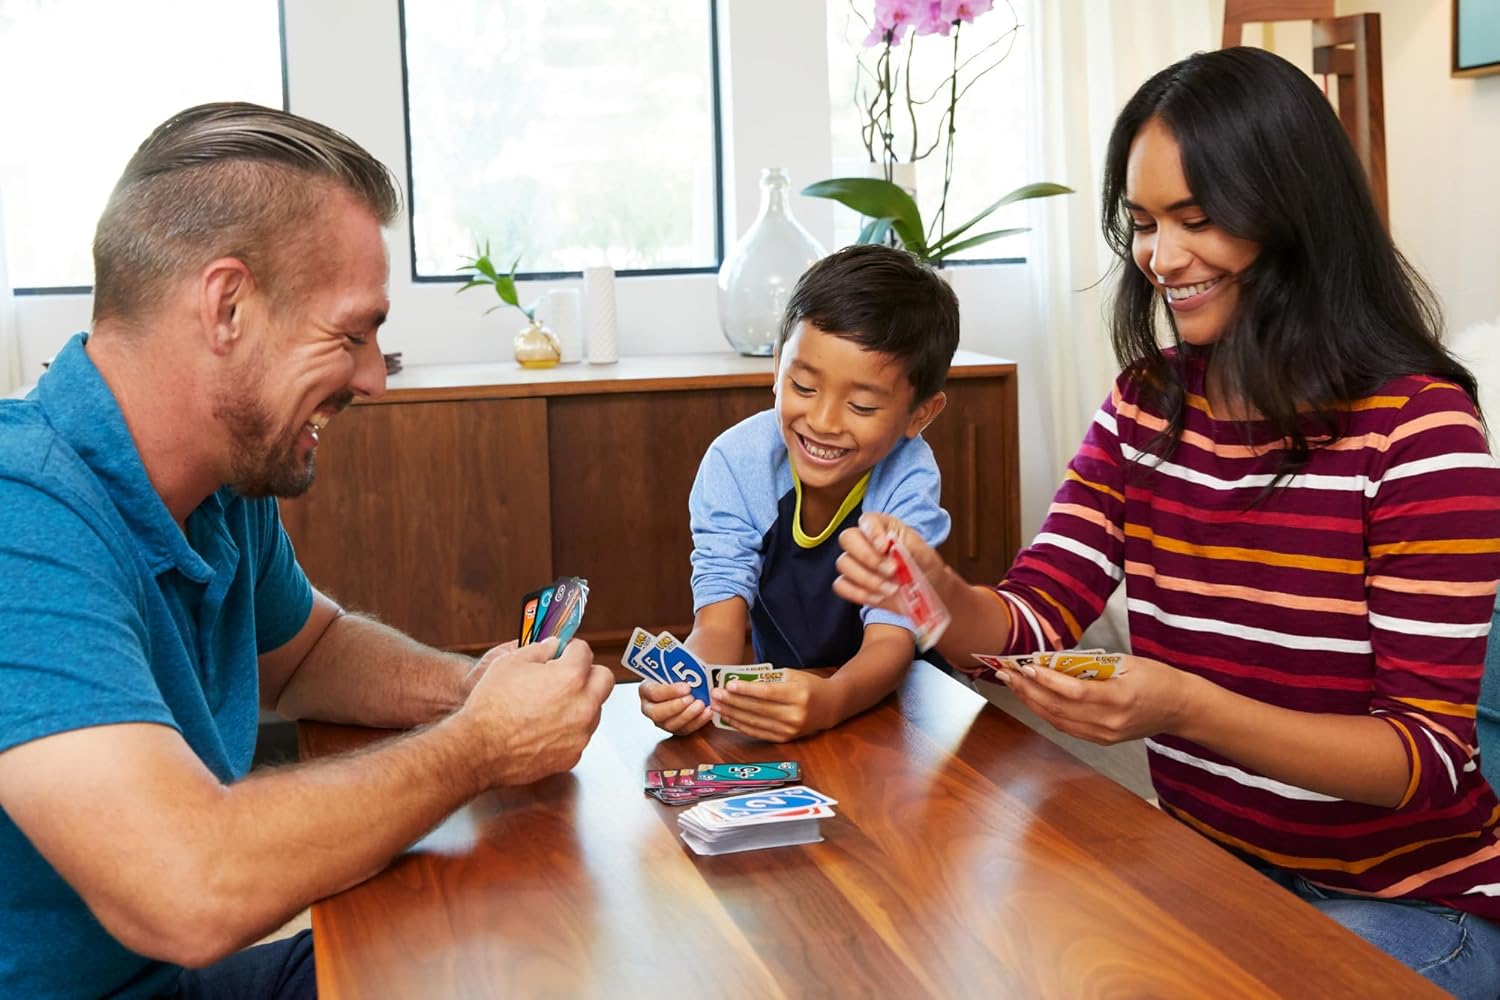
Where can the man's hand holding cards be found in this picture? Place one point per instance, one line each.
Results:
(556, 609)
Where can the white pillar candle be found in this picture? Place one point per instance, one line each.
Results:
(603, 335)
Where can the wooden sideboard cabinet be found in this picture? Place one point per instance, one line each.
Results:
(437, 506)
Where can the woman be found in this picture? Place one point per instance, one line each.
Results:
(1299, 498)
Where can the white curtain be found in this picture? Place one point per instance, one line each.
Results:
(1093, 54)
(10, 334)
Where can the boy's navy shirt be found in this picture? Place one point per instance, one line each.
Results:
(748, 542)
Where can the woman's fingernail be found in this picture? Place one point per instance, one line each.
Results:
(1027, 669)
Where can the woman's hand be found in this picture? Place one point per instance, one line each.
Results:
(867, 574)
(1148, 698)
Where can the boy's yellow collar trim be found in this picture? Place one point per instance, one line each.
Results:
(806, 541)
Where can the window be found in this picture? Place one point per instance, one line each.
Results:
(990, 142)
(564, 132)
(84, 81)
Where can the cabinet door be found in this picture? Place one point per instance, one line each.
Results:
(432, 516)
(622, 468)
(976, 446)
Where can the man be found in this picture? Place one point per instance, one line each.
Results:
(149, 599)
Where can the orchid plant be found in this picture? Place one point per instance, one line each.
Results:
(885, 91)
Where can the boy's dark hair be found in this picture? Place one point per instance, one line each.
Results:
(884, 300)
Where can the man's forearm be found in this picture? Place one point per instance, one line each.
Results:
(363, 672)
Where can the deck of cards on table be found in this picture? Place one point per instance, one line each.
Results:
(1085, 664)
(556, 609)
(663, 658)
(686, 785)
(754, 820)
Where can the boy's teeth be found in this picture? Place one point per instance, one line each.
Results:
(818, 451)
(1184, 291)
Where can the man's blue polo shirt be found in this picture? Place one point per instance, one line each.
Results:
(110, 614)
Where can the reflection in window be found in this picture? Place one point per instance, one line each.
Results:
(566, 132)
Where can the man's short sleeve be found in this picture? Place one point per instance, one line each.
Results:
(283, 597)
(71, 614)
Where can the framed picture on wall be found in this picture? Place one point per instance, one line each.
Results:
(1476, 37)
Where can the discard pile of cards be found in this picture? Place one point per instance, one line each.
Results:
(686, 785)
(927, 612)
(556, 609)
(663, 658)
(754, 820)
(1085, 664)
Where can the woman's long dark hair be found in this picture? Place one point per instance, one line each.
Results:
(1329, 310)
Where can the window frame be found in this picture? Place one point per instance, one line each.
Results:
(716, 105)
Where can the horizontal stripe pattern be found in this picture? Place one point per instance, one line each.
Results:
(1364, 584)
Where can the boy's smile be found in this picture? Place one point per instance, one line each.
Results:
(842, 409)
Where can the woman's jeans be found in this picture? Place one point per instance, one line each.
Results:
(1455, 950)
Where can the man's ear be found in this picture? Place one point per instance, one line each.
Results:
(223, 288)
(925, 413)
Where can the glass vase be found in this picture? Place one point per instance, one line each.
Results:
(761, 269)
(537, 347)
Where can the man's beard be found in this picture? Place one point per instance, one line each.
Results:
(261, 465)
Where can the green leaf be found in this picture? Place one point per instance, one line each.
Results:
(505, 287)
(1041, 189)
(878, 199)
(473, 283)
(974, 241)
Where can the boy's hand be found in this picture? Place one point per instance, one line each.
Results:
(673, 707)
(866, 574)
(775, 712)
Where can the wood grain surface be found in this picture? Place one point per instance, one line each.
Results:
(969, 858)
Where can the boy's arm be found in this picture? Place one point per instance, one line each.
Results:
(806, 703)
(719, 630)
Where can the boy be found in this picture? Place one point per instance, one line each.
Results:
(860, 361)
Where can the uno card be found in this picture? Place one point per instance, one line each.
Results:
(543, 603)
(551, 617)
(781, 770)
(640, 642)
(529, 605)
(681, 665)
(755, 673)
(766, 804)
(1088, 666)
(921, 601)
(569, 626)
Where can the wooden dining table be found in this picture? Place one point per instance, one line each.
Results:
(969, 857)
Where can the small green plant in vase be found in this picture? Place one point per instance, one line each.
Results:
(535, 346)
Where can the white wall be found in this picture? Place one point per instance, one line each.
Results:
(344, 61)
(1442, 143)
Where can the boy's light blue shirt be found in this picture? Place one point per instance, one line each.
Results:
(741, 508)
(110, 614)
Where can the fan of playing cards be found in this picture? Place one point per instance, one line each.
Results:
(754, 820)
(554, 610)
(664, 659)
(1085, 664)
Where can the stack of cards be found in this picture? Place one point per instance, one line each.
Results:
(554, 610)
(923, 607)
(1085, 664)
(684, 786)
(749, 822)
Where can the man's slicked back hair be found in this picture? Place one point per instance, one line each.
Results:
(227, 180)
